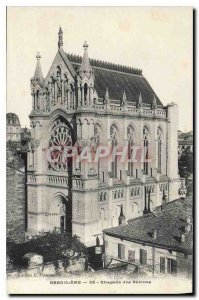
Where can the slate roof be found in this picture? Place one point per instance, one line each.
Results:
(118, 78)
(168, 222)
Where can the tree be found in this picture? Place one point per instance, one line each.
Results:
(185, 165)
(51, 245)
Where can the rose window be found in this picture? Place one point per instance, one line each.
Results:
(59, 142)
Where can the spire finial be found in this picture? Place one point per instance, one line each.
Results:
(139, 102)
(154, 103)
(38, 56)
(106, 94)
(124, 99)
(38, 72)
(85, 65)
(60, 38)
(124, 96)
(85, 45)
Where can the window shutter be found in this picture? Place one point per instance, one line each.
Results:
(169, 266)
(162, 264)
(121, 251)
(173, 267)
(143, 257)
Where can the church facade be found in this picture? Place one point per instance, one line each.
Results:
(84, 109)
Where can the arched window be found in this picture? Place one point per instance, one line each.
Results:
(114, 143)
(37, 99)
(95, 143)
(146, 150)
(101, 195)
(159, 152)
(138, 191)
(102, 176)
(85, 92)
(105, 196)
(71, 96)
(130, 150)
(58, 80)
(58, 73)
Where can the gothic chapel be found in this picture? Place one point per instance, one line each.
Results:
(85, 102)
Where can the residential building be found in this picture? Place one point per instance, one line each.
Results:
(155, 244)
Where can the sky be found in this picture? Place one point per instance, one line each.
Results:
(157, 40)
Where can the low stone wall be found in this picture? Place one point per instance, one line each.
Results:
(74, 265)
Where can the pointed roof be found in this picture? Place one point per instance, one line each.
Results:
(116, 77)
(38, 71)
(60, 38)
(85, 65)
(140, 100)
(106, 95)
(124, 97)
(154, 104)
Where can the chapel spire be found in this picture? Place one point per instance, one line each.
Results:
(60, 38)
(154, 103)
(38, 76)
(139, 102)
(124, 99)
(107, 96)
(85, 65)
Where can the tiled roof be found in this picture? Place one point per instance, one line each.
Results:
(168, 222)
(118, 78)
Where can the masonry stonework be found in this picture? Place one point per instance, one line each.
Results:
(15, 183)
(87, 103)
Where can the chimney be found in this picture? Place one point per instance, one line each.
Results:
(188, 225)
(182, 237)
(187, 228)
(154, 234)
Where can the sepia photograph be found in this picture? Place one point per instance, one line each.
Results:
(99, 150)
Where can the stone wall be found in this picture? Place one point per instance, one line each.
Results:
(75, 265)
(15, 194)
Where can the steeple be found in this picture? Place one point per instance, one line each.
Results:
(107, 96)
(60, 38)
(154, 103)
(139, 103)
(85, 65)
(124, 99)
(38, 76)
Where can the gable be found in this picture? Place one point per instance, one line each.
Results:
(62, 61)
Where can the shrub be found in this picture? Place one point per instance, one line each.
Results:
(50, 245)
